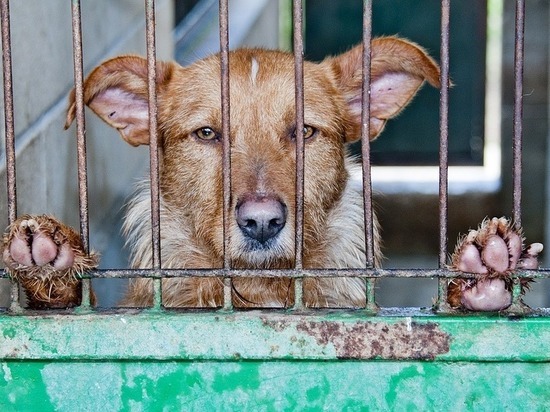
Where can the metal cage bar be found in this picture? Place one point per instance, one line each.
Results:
(8, 111)
(298, 44)
(368, 216)
(518, 131)
(81, 141)
(226, 141)
(9, 131)
(153, 144)
(518, 110)
(292, 273)
(444, 151)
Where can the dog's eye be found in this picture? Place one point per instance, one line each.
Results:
(207, 133)
(309, 132)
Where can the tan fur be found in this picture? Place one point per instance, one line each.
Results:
(262, 163)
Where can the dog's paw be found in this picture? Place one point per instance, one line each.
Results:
(492, 252)
(45, 257)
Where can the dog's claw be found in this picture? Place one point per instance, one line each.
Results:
(492, 252)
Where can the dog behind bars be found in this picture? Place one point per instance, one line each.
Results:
(44, 254)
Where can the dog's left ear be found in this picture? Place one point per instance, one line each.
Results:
(398, 70)
(117, 92)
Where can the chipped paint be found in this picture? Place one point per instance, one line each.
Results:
(7, 372)
(273, 361)
(281, 386)
(255, 335)
(368, 340)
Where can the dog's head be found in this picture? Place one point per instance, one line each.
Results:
(262, 136)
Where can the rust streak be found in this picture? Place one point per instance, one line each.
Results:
(371, 340)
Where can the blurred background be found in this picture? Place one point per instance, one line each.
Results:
(405, 157)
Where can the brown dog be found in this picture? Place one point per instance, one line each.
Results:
(261, 233)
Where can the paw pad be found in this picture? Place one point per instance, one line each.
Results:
(45, 256)
(492, 252)
(31, 244)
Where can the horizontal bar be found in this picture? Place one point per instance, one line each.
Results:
(258, 335)
(291, 273)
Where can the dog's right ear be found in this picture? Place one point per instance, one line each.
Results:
(117, 92)
(398, 70)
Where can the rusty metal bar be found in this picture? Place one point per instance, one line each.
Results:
(81, 140)
(226, 142)
(153, 142)
(518, 133)
(298, 44)
(292, 273)
(8, 111)
(365, 152)
(9, 132)
(365, 134)
(518, 110)
(80, 123)
(443, 150)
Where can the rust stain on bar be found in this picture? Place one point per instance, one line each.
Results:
(80, 123)
(518, 110)
(226, 142)
(444, 132)
(10, 132)
(8, 111)
(297, 19)
(81, 140)
(368, 215)
(518, 130)
(365, 134)
(443, 152)
(226, 138)
(153, 145)
(292, 273)
(153, 133)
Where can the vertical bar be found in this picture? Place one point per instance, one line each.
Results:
(9, 131)
(365, 152)
(443, 149)
(8, 111)
(518, 111)
(365, 134)
(298, 43)
(153, 145)
(518, 134)
(226, 148)
(81, 140)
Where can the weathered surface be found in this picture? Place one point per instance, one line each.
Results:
(273, 386)
(366, 340)
(272, 361)
(272, 336)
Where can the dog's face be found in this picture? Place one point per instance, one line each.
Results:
(262, 136)
(263, 156)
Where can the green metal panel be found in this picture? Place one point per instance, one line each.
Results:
(273, 361)
(274, 386)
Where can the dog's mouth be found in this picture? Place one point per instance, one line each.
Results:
(252, 246)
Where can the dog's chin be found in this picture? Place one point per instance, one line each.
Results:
(275, 253)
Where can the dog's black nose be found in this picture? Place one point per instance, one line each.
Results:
(261, 217)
